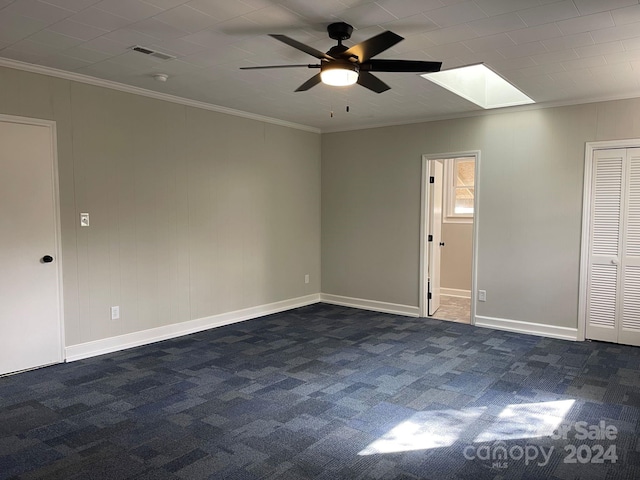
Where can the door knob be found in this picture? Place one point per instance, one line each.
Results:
(442, 244)
(47, 259)
(614, 262)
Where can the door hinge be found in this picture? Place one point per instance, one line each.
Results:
(430, 238)
(432, 179)
(429, 296)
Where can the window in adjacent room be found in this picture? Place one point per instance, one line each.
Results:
(459, 190)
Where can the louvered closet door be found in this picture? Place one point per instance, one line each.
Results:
(629, 331)
(604, 271)
(613, 298)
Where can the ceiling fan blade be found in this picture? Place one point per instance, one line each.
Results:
(417, 66)
(373, 46)
(301, 46)
(280, 66)
(312, 82)
(372, 82)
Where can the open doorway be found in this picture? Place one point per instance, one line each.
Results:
(449, 236)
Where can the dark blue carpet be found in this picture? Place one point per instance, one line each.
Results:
(330, 393)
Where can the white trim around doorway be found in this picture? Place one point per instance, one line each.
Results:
(585, 244)
(424, 223)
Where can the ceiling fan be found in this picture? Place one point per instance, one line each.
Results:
(343, 65)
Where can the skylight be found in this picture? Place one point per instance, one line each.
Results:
(480, 85)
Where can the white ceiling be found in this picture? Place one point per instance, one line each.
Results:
(556, 51)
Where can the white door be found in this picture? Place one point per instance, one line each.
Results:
(629, 327)
(613, 290)
(436, 170)
(30, 317)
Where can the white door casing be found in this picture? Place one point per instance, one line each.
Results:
(436, 172)
(425, 213)
(30, 289)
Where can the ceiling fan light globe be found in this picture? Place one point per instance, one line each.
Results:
(339, 78)
(339, 74)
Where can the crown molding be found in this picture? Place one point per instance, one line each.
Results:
(98, 82)
(482, 113)
(77, 77)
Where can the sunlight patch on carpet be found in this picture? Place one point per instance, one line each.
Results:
(425, 430)
(527, 420)
(442, 428)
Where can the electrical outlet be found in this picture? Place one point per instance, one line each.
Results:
(306, 278)
(115, 313)
(482, 295)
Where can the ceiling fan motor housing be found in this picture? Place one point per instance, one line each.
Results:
(337, 50)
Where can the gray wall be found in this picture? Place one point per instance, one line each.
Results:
(193, 213)
(530, 206)
(457, 256)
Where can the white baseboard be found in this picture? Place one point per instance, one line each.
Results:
(455, 292)
(373, 305)
(539, 329)
(144, 337)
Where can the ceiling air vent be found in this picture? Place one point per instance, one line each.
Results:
(153, 53)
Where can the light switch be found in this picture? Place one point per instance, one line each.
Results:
(84, 219)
